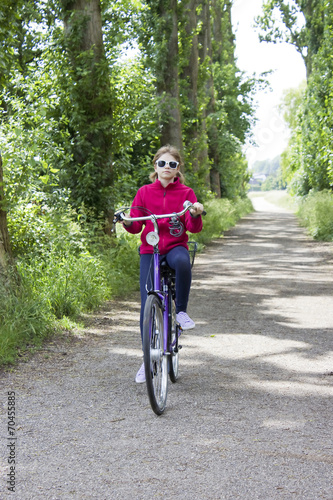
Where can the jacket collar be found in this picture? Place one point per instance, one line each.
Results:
(172, 185)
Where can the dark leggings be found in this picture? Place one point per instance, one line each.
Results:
(178, 259)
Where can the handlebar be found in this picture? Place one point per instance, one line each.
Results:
(120, 216)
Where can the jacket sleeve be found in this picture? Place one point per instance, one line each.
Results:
(193, 224)
(136, 226)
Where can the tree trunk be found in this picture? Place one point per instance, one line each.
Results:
(191, 70)
(90, 176)
(215, 182)
(85, 13)
(222, 32)
(206, 53)
(167, 77)
(194, 120)
(189, 77)
(5, 251)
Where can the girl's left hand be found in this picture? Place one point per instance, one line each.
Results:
(196, 209)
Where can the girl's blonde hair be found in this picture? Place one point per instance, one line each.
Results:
(176, 154)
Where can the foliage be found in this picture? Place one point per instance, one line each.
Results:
(267, 167)
(274, 181)
(298, 22)
(24, 321)
(308, 161)
(30, 137)
(316, 214)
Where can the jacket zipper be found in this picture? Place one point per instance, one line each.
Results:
(164, 196)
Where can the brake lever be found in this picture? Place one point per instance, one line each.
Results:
(117, 217)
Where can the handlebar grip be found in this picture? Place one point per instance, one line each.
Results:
(118, 217)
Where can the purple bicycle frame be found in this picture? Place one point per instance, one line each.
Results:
(163, 296)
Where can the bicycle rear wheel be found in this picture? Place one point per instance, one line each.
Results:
(156, 362)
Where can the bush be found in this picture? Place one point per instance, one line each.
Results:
(69, 284)
(316, 214)
(25, 321)
(121, 262)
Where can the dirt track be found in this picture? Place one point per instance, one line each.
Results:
(251, 416)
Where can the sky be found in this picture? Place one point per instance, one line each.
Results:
(270, 132)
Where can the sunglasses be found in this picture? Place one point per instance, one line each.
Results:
(162, 163)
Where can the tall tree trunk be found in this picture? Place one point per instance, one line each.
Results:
(206, 54)
(189, 77)
(167, 77)
(90, 177)
(87, 14)
(5, 251)
(222, 32)
(195, 132)
(190, 72)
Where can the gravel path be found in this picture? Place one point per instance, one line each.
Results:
(251, 416)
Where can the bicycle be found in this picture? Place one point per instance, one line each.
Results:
(161, 331)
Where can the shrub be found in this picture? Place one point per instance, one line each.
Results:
(316, 214)
(24, 321)
(121, 262)
(69, 284)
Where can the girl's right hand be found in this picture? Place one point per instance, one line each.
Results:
(127, 222)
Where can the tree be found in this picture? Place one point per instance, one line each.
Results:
(287, 26)
(208, 90)
(159, 38)
(189, 81)
(231, 110)
(307, 162)
(87, 83)
(209, 126)
(317, 122)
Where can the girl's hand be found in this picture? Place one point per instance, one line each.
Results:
(127, 223)
(196, 209)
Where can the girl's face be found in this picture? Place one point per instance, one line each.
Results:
(166, 174)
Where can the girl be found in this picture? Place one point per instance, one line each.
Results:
(167, 194)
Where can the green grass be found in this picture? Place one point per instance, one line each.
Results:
(25, 322)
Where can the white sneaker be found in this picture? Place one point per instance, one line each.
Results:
(185, 321)
(141, 376)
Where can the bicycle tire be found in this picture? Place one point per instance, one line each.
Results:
(173, 344)
(155, 361)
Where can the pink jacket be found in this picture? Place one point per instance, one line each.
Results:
(160, 200)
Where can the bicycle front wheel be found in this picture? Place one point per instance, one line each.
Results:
(174, 347)
(155, 360)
